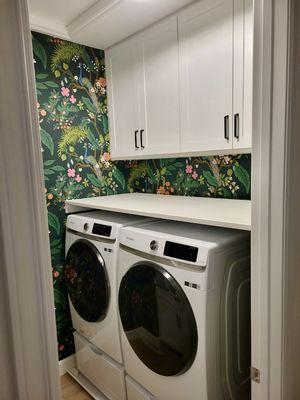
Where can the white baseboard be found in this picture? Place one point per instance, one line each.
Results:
(67, 363)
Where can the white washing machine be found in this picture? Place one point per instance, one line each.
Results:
(92, 242)
(184, 305)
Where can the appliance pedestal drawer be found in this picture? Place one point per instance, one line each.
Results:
(136, 391)
(107, 375)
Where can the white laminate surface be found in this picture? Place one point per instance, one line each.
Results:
(225, 213)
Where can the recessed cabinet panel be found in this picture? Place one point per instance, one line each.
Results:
(159, 88)
(206, 75)
(243, 74)
(122, 99)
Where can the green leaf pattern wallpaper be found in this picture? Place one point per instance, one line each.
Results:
(72, 109)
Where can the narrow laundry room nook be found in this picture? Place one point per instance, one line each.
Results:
(162, 192)
(147, 164)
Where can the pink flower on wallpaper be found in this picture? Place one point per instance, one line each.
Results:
(78, 178)
(43, 113)
(194, 175)
(101, 82)
(106, 156)
(188, 169)
(73, 99)
(71, 172)
(65, 91)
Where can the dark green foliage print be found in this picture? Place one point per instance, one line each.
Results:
(72, 109)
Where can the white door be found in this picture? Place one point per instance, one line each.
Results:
(243, 74)
(159, 89)
(123, 110)
(206, 75)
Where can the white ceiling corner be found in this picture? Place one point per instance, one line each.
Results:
(98, 23)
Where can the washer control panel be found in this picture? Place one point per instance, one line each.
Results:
(102, 230)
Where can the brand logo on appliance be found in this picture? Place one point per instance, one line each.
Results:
(192, 285)
(129, 238)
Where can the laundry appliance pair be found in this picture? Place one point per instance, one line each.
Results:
(178, 296)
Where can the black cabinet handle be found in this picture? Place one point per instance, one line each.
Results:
(141, 137)
(237, 126)
(135, 139)
(226, 127)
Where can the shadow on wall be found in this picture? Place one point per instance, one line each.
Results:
(72, 108)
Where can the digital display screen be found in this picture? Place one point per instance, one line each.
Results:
(181, 251)
(102, 230)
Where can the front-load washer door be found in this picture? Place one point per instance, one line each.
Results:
(88, 285)
(157, 319)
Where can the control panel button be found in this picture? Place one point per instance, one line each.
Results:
(154, 245)
(86, 226)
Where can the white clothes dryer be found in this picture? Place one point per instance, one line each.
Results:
(92, 242)
(184, 304)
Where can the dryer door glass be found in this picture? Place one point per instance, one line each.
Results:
(87, 281)
(157, 319)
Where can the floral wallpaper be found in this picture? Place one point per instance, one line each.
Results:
(72, 109)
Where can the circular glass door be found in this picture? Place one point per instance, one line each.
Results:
(87, 281)
(157, 319)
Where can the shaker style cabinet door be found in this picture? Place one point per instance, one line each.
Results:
(206, 75)
(159, 89)
(123, 105)
(243, 74)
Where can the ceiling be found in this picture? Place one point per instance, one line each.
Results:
(98, 23)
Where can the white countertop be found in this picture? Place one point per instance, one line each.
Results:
(225, 213)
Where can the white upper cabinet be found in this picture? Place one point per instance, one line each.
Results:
(184, 85)
(206, 75)
(159, 88)
(122, 82)
(143, 92)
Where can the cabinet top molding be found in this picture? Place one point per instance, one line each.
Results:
(93, 22)
(226, 213)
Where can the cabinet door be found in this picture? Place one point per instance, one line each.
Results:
(121, 61)
(159, 88)
(243, 74)
(206, 75)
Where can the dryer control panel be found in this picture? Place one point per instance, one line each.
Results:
(181, 251)
(184, 250)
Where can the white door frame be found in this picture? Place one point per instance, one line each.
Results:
(291, 338)
(31, 365)
(272, 36)
(28, 345)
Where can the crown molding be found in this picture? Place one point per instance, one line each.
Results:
(93, 12)
(49, 27)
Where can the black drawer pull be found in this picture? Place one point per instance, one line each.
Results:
(135, 139)
(141, 137)
(237, 126)
(226, 127)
